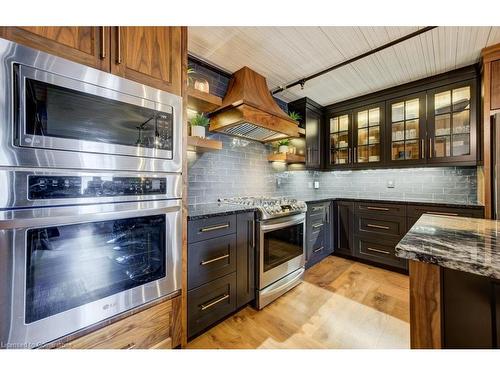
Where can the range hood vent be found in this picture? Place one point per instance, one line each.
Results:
(249, 111)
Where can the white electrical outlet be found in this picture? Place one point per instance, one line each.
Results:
(391, 184)
(316, 184)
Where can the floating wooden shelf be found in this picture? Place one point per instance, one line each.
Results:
(201, 101)
(287, 158)
(203, 144)
(302, 132)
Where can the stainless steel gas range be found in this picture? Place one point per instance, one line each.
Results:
(281, 240)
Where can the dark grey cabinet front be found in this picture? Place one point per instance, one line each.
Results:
(245, 259)
(319, 233)
(344, 227)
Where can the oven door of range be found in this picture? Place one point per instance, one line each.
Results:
(281, 248)
(66, 268)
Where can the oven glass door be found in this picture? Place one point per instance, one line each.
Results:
(61, 113)
(72, 265)
(282, 245)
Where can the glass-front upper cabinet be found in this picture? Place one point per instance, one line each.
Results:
(406, 129)
(368, 134)
(452, 125)
(340, 139)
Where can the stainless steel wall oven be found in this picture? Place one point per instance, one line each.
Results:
(90, 196)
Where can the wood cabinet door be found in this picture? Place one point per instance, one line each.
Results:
(368, 135)
(495, 85)
(339, 141)
(406, 130)
(87, 45)
(149, 55)
(452, 123)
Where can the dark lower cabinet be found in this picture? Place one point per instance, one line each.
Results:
(370, 230)
(344, 227)
(319, 233)
(245, 259)
(221, 268)
(211, 302)
(471, 310)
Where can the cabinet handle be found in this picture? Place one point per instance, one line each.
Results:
(317, 208)
(422, 151)
(318, 249)
(205, 262)
(355, 155)
(317, 225)
(431, 151)
(349, 155)
(103, 42)
(215, 227)
(377, 208)
(327, 215)
(308, 154)
(441, 213)
(378, 251)
(203, 307)
(119, 45)
(377, 226)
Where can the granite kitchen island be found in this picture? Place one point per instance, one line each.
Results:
(454, 267)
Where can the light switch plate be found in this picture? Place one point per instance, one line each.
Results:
(391, 184)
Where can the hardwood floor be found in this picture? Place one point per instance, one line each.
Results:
(341, 304)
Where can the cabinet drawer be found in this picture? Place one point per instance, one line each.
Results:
(378, 251)
(151, 328)
(381, 208)
(210, 259)
(318, 212)
(417, 211)
(204, 229)
(394, 226)
(210, 303)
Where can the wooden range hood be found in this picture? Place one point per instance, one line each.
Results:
(249, 111)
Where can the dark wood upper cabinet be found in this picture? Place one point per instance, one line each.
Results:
(339, 153)
(495, 85)
(368, 135)
(312, 122)
(88, 45)
(452, 123)
(406, 130)
(149, 55)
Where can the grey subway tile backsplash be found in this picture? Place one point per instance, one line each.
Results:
(241, 168)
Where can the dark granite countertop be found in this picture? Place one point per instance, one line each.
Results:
(204, 210)
(323, 198)
(464, 244)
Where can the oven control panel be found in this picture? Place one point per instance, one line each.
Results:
(57, 187)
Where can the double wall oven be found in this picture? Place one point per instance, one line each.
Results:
(90, 196)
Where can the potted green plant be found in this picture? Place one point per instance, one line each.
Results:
(198, 125)
(283, 146)
(295, 116)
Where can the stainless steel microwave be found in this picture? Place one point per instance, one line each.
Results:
(55, 113)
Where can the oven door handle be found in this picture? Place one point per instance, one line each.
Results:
(297, 219)
(53, 216)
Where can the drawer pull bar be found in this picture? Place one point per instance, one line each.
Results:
(377, 208)
(377, 226)
(215, 227)
(205, 262)
(442, 213)
(378, 251)
(317, 208)
(218, 300)
(317, 225)
(318, 249)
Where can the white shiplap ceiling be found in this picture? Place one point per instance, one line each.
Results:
(286, 54)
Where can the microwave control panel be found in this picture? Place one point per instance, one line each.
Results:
(57, 187)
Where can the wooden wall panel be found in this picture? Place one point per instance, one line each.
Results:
(425, 305)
